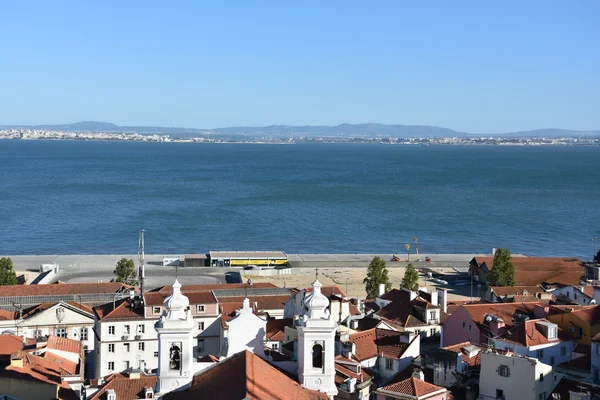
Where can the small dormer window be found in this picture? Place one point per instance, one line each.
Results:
(155, 310)
(200, 308)
(111, 395)
(149, 393)
(552, 332)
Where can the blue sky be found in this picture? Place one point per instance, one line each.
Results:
(476, 66)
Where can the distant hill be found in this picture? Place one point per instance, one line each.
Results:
(349, 130)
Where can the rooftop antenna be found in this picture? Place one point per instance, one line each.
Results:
(141, 266)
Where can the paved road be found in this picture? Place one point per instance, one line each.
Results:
(155, 276)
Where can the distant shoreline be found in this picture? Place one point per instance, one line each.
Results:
(590, 142)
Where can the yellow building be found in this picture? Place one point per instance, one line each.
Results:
(583, 323)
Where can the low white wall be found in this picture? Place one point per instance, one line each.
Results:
(266, 272)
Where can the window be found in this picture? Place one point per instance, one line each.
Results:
(542, 379)
(37, 333)
(200, 326)
(61, 332)
(540, 353)
(126, 330)
(317, 356)
(432, 315)
(127, 347)
(470, 327)
(141, 328)
(125, 364)
(111, 348)
(141, 346)
(552, 360)
(155, 310)
(111, 330)
(551, 332)
(499, 393)
(200, 308)
(464, 325)
(432, 332)
(111, 365)
(275, 346)
(84, 333)
(563, 350)
(200, 345)
(389, 363)
(156, 354)
(503, 370)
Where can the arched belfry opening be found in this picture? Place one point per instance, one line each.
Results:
(317, 356)
(175, 357)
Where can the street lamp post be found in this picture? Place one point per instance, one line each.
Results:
(594, 239)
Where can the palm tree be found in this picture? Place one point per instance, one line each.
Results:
(407, 246)
(416, 240)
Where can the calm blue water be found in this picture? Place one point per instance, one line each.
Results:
(92, 197)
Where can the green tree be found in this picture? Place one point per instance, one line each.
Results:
(7, 274)
(503, 270)
(125, 272)
(377, 273)
(410, 280)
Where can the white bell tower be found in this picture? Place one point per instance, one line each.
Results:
(316, 341)
(175, 342)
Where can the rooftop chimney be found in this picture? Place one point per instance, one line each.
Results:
(381, 289)
(16, 360)
(417, 373)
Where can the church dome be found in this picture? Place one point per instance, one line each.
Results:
(176, 301)
(316, 301)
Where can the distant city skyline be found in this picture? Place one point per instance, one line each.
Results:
(468, 66)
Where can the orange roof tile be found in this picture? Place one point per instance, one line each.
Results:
(263, 302)
(217, 286)
(245, 376)
(7, 315)
(501, 310)
(126, 388)
(28, 312)
(515, 290)
(57, 289)
(10, 344)
(404, 312)
(528, 334)
(121, 311)
(64, 344)
(374, 342)
(157, 298)
(412, 387)
(532, 271)
(459, 348)
(276, 328)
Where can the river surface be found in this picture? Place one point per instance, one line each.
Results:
(76, 197)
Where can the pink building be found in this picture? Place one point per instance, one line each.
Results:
(477, 323)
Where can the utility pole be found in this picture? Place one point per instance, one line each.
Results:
(141, 265)
(594, 240)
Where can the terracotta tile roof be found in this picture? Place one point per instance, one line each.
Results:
(396, 295)
(263, 302)
(501, 310)
(64, 288)
(121, 311)
(590, 315)
(377, 342)
(64, 344)
(582, 348)
(216, 286)
(404, 312)
(456, 304)
(596, 338)
(532, 271)
(344, 371)
(276, 328)
(354, 310)
(515, 290)
(527, 334)
(126, 388)
(412, 387)
(68, 367)
(371, 305)
(7, 315)
(588, 290)
(9, 344)
(459, 348)
(244, 376)
(331, 292)
(157, 298)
